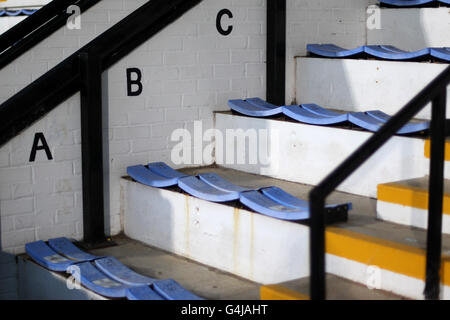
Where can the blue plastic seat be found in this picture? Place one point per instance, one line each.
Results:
(333, 51)
(363, 120)
(284, 198)
(40, 252)
(253, 110)
(197, 188)
(260, 203)
(95, 280)
(393, 53)
(142, 293)
(220, 183)
(172, 290)
(410, 127)
(302, 114)
(66, 248)
(162, 169)
(440, 53)
(143, 175)
(410, 3)
(117, 271)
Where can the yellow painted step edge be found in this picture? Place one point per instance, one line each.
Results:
(387, 255)
(428, 149)
(408, 196)
(279, 292)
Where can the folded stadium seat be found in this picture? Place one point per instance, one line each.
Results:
(410, 3)
(253, 110)
(106, 276)
(40, 252)
(260, 203)
(141, 285)
(218, 182)
(393, 53)
(200, 189)
(300, 113)
(333, 51)
(145, 176)
(164, 170)
(66, 248)
(440, 53)
(410, 127)
(142, 293)
(95, 280)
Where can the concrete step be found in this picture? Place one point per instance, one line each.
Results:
(406, 202)
(385, 255)
(337, 289)
(36, 282)
(410, 29)
(363, 85)
(307, 153)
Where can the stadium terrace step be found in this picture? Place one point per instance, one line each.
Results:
(389, 256)
(411, 3)
(314, 114)
(37, 282)
(412, 29)
(386, 52)
(354, 85)
(406, 202)
(211, 187)
(337, 289)
(306, 154)
(106, 276)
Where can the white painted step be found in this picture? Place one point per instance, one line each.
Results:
(270, 251)
(409, 29)
(307, 154)
(363, 85)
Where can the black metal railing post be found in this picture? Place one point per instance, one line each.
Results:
(435, 192)
(435, 91)
(317, 246)
(92, 149)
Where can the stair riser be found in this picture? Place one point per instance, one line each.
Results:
(234, 240)
(412, 29)
(362, 85)
(389, 281)
(408, 216)
(306, 154)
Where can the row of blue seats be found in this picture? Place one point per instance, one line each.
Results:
(271, 201)
(411, 3)
(314, 114)
(106, 276)
(378, 51)
(12, 13)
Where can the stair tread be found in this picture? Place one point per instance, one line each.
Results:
(361, 219)
(337, 289)
(202, 280)
(412, 193)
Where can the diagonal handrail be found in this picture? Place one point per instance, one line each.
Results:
(63, 80)
(37, 27)
(436, 93)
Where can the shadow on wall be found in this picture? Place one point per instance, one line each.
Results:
(8, 273)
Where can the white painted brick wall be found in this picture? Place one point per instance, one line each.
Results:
(62, 44)
(342, 22)
(37, 200)
(189, 71)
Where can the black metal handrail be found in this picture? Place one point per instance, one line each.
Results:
(436, 93)
(82, 72)
(37, 27)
